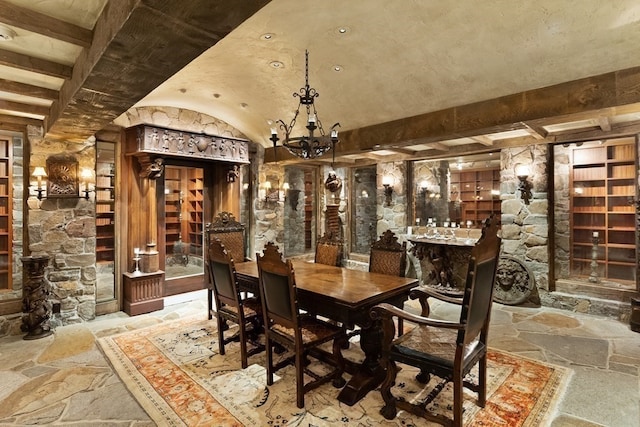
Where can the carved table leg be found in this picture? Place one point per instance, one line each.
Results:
(35, 304)
(370, 374)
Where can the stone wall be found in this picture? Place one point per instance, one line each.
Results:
(525, 228)
(394, 216)
(64, 229)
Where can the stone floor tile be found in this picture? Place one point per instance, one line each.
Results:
(577, 350)
(98, 405)
(567, 421)
(604, 397)
(68, 341)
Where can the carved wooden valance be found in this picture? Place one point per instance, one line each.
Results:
(169, 143)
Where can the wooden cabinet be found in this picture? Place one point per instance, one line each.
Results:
(603, 185)
(6, 225)
(474, 195)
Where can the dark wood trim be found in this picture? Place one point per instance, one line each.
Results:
(13, 306)
(39, 110)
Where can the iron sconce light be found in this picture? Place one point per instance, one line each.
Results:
(40, 175)
(387, 183)
(524, 185)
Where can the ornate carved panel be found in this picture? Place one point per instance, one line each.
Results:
(181, 144)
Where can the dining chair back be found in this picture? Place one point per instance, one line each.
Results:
(286, 325)
(329, 249)
(229, 304)
(446, 349)
(388, 256)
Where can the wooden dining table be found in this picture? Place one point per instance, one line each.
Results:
(346, 296)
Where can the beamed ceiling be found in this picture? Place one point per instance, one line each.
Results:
(405, 79)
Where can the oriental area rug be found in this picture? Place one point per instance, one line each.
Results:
(175, 372)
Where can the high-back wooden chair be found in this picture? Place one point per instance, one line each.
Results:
(230, 233)
(229, 305)
(329, 250)
(388, 256)
(284, 324)
(448, 350)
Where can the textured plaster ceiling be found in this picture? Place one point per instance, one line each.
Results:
(397, 58)
(400, 58)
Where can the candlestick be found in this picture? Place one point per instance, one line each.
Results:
(593, 277)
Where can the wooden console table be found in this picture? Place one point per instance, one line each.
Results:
(143, 292)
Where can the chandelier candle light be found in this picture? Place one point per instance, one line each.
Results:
(311, 145)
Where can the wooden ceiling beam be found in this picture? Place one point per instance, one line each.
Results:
(563, 102)
(38, 110)
(137, 45)
(604, 123)
(17, 120)
(28, 90)
(35, 22)
(538, 132)
(483, 139)
(36, 65)
(617, 130)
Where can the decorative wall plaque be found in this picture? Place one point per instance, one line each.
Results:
(62, 176)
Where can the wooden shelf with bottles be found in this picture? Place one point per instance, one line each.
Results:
(603, 183)
(478, 193)
(196, 210)
(6, 224)
(105, 212)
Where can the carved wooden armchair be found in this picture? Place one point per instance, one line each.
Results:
(231, 234)
(284, 324)
(229, 304)
(448, 350)
(329, 249)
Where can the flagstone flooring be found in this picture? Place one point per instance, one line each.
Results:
(65, 380)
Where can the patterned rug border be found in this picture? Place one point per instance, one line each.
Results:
(162, 414)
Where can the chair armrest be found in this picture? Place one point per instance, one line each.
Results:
(423, 293)
(387, 311)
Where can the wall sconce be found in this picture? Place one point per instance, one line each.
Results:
(423, 187)
(39, 173)
(522, 172)
(387, 183)
(86, 176)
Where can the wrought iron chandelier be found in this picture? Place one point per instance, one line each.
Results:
(311, 145)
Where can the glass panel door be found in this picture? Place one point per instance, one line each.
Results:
(183, 221)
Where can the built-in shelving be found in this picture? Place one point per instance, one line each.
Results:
(196, 210)
(5, 214)
(603, 185)
(477, 193)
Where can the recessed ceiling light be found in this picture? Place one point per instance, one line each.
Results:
(337, 68)
(342, 30)
(182, 90)
(244, 104)
(276, 64)
(216, 95)
(267, 36)
(6, 33)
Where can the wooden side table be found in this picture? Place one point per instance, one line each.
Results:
(143, 292)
